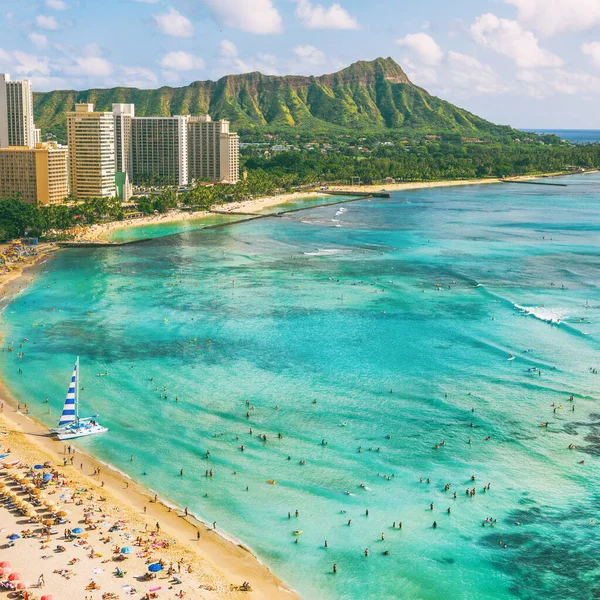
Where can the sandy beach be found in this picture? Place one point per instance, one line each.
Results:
(119, 514)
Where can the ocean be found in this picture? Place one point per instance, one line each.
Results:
(371, 343)
(577, 136)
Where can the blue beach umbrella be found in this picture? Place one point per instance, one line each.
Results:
(47, 477)
(38, 467)
(77, 530)
(14, 537)
(127, 550)
(155, 568)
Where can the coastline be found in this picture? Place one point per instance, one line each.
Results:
(101, 232)
(215, 556)
(231, 561)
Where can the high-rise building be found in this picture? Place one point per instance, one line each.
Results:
(230, 157)
(16, 113)
(159, 150)
(91, 152)
(38, 175)
(213, 150)
(123, 113)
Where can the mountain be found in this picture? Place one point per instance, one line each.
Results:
(365, 96)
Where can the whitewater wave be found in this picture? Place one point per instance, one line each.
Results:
(327, 252)
(549, 315)
(341, 211)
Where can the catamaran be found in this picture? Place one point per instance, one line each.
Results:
(71, 425)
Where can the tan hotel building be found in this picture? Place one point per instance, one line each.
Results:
(91, 152)
(39, 174)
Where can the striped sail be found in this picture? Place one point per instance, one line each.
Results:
(68, 413)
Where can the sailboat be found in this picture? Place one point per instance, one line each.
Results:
(71, 425)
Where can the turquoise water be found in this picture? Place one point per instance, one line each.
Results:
(398, 317)
(577, 136)
(160, 229)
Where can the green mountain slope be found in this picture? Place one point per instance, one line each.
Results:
(367, 96)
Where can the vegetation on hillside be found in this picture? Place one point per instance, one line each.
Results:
(366, 96)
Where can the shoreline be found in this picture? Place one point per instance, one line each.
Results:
(229, 561)
(223, 554)
(101, 232)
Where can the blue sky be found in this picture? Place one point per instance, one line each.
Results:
(528, 63)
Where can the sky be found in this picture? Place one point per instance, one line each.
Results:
(527, 63)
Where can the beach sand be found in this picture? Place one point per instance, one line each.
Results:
(216, 563)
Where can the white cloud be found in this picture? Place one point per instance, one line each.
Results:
(228, 49)
(310, 55)
(469, 74)
(89, 63)
(181, 61)
(592, 49)
(174, 23)
(316, 16)
(23, 63)
(139, 77)
(537, 84)
(43, 83)
(56, 4)
(46, 22)
(510, 39)
(255, 16)
(420, 74)
(549, 17)
(38, 40)
(424, 46)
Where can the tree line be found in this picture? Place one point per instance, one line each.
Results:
(268, 174)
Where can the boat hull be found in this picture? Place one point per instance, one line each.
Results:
(71, 433)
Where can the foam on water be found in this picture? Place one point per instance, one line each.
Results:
(240, 314)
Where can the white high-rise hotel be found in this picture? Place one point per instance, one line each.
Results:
(16, 113)
(174, 150)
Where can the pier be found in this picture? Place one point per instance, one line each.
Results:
(381, 194)
(533, 182)
(355, 197)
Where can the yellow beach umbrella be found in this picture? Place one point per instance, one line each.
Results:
(62, 513)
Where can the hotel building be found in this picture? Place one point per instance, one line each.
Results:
(91, 138)
(213, 152)
(159, 150)
(39, 175)
(16, 113)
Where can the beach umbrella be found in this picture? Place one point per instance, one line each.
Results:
(5, 564)
(77, 530)
(14, 537)
(38, 467)
(36, 492)
(46, 597)
(14, 576)
(62, 513)
(22, 586)
(155, 568)
(4, 571)
(127, 550)
(47, 477)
